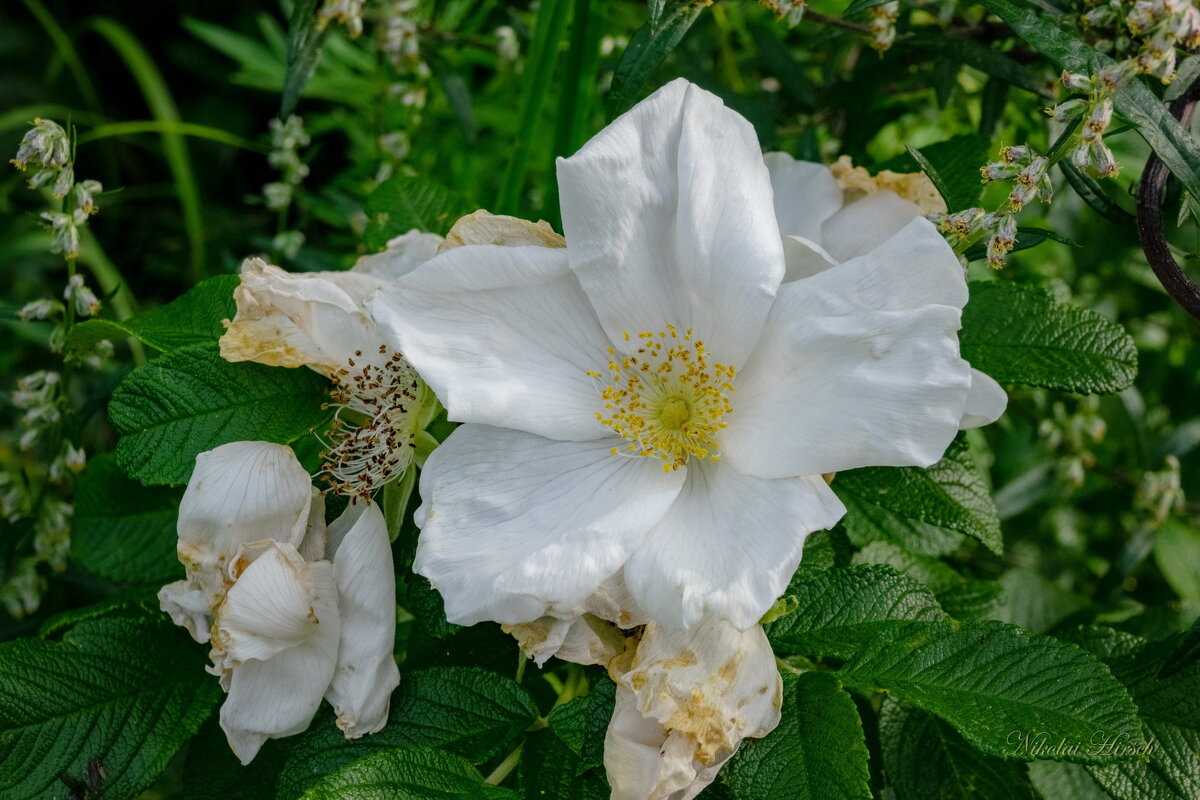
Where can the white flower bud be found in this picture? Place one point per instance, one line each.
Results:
(64, 181)
(39, 309)
(85, 196)
(45, 144)
(81, 297)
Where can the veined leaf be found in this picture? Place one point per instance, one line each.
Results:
(817, 752)
(191, 400)
(952, 165)
(401, 204)
(927, 511)
(1033, 602)
(194, 318)
(983, 58)
(1173, 144)
(1020, 335)
(648, 48)
(128, 691)
(122, 530)
(304, 49)
(988, 679)
(924, 757)
(407, 774)
(466, 711)
(959, 596)
(582, 722)
(551, 770)
(842, 609)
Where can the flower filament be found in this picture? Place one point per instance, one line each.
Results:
(666, 399)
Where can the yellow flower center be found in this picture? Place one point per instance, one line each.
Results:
(666, 399)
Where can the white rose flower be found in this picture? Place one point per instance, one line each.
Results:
(295, 612)
(651, 397)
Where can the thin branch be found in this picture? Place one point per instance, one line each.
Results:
(1150, 223)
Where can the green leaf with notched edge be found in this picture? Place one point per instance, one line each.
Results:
(1023, 336)
(122, 530)
(212, 772)
(959, 596)
(407, 774)
(467, 711)
(404, 203)
(840, 610)
(927, 511)
(1055, 780)
(817, 752)
(551, 770)
(1034, 603)
(582, 722)
(194, 318)
(648, 48)
(191, 400)
(925, 759)
(128, 691)
(1170, 140)
(988, 679)
(952, 165)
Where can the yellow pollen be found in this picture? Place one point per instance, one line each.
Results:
(666, 401)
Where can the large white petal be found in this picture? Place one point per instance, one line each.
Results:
(270, 607)
(865, 224)
(684, 706)
(278, 697)
(366, 587)
(806, 194)
(188, 607)
(727, 546)
(238, 493)
(313, 319)
(804, 258)
(403, 254)
(986, 401)
(669, 219)
(505, 337)
(516, 527)
(858, 366)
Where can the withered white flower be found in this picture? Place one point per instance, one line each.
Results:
(651, 397)
(295, 612)
(317, 319)
(828, 215)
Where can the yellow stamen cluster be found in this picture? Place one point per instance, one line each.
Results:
(666, 398)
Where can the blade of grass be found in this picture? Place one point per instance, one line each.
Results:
(67, 52)
(539, 68)
(169, 126)
(162, 106)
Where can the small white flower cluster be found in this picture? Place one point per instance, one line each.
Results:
(791, 10)
(288, 137)
(1071, 430)
(345, 12)
(882, 22)
(1160, 493)
(507, 46)
(1096, 110)
(47, 146)
(400, 41)
(1146, 32)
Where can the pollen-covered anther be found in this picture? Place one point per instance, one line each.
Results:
(375, 445)
(665, 398)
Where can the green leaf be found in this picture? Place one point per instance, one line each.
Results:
(213, 772)
(1059, 781)
(858, 6)
(927, 511)
(1027, 237)
(988, 679)
(924, 757)
(194, 318)
(1023, 336)
(305, 38)
(551, 770)
(1094, 194)
(127, 691)
(980, 56)
(407, 774)
(191, 400)
(953, 166)
(1177, 551)
(840, 610)
(647, 49)
(817, 752)
(467, 711)
(403, 203)
(959, 596)
(1173, 144)
(1034, 603)
(122, 530)
(582, 722)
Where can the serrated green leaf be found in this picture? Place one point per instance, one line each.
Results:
(959, 596)
(1023, 336)
(581, 723)
(1092, 193)
(213, 772)
(551, 770)
(1177, 552)
(1055, 780)
(952, 165)
(1034, 603)
(840, 610)
(191, 400)
(927, 511)
(817, 752)
(127, 691)
(122, 530)
(1173, 144)
(925, 758)
(404, 203)
(193, 318)
(467, 711)
(647, 49)
(989, 679)
(407, 774)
